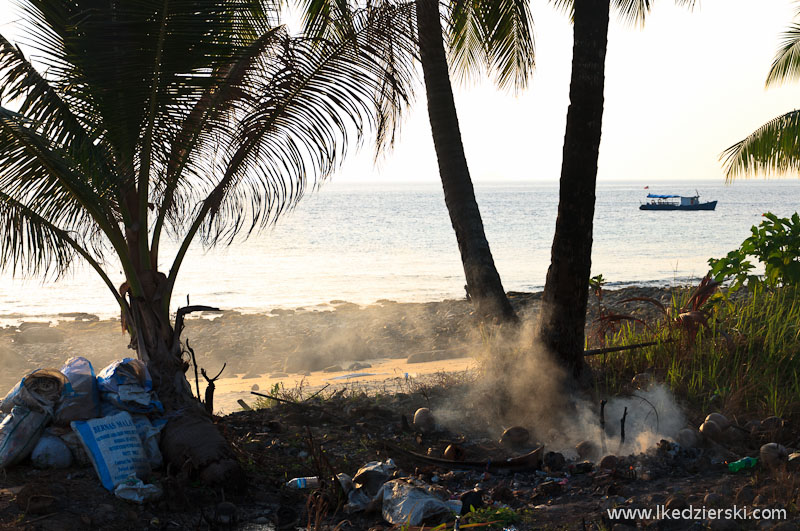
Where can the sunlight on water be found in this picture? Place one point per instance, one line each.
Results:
(362, 243)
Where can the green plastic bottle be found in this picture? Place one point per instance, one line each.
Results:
(741, 464)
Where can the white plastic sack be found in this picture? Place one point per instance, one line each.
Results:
(126, 385)
(51, 452)
(19, 433)
(409, 501)
(73, 442)
(81, 398)
(114, 448)
(135, 490)
(38, 391)
(150, 435)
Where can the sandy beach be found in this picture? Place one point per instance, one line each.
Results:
(302, 348)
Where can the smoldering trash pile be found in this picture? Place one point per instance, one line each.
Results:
(113, 420)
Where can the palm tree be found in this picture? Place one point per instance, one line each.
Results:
(198, 119)
(773, 148)
(480, 33)
(493, 32)
(566, 290)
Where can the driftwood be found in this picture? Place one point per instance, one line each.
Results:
(306, 406)
(607, 350)
(530, 460)
(209, 403)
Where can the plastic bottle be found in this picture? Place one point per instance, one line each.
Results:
(741, 464)
(310, 482)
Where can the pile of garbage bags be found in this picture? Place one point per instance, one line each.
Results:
(112, 420)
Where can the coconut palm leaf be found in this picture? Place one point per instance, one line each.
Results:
(305, 105)
(633, 12)
(773, 148)
(493, 34)
(786, 65)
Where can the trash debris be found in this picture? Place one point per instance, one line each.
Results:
(126, 385)
(411, 502)
(19, 433)
(373, 475)
(81, 397)
(309, 482)
(133, 489)
(114, 447)
(150, 435)
(51, 452)
(38, 391)
(742, 464)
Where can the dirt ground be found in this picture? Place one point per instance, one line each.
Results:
(324, 427)
(340, 431)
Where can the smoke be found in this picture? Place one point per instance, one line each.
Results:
(522, 384)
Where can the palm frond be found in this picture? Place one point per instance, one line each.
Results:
(773, 148)
(36, 170)
(786, 65)
(493, 34)
(328, 18)
(307, 102)
(633, 12)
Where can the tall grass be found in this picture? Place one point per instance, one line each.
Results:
(746, 362)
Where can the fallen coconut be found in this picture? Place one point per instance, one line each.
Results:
(515, 436)
(688, 438)
(454, 452)
(773, 455)
(711, 430)
(609, 462)
(720, 420)
(586, 449)
(424, 421)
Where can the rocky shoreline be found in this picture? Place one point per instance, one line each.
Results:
(294, 342)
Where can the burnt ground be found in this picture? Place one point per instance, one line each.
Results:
(344, 430)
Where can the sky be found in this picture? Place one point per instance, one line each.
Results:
(677, 93)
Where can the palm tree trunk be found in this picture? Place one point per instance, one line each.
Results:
(567, 285)
(190, 441)
(483, 281)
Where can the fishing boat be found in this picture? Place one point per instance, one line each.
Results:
(676, 202)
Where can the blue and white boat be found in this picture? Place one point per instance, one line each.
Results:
(676, 202)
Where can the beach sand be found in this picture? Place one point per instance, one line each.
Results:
(293, 348)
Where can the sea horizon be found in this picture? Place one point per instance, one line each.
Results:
(362, 242)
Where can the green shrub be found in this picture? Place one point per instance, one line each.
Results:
(775, 243)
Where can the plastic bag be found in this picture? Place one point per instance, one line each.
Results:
(135, 490)
(81, 400)
(373, 475)
(126, 384)
(150, 435)
(51, 452)
(114, 448)
(19, 433)
(38, 391)
(409, 501)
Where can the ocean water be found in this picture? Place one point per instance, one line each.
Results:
(365, 242)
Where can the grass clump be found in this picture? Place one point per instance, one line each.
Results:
(744, 359)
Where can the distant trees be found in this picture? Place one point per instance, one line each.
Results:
(773, 148)
(201, 119)
(566, 291)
